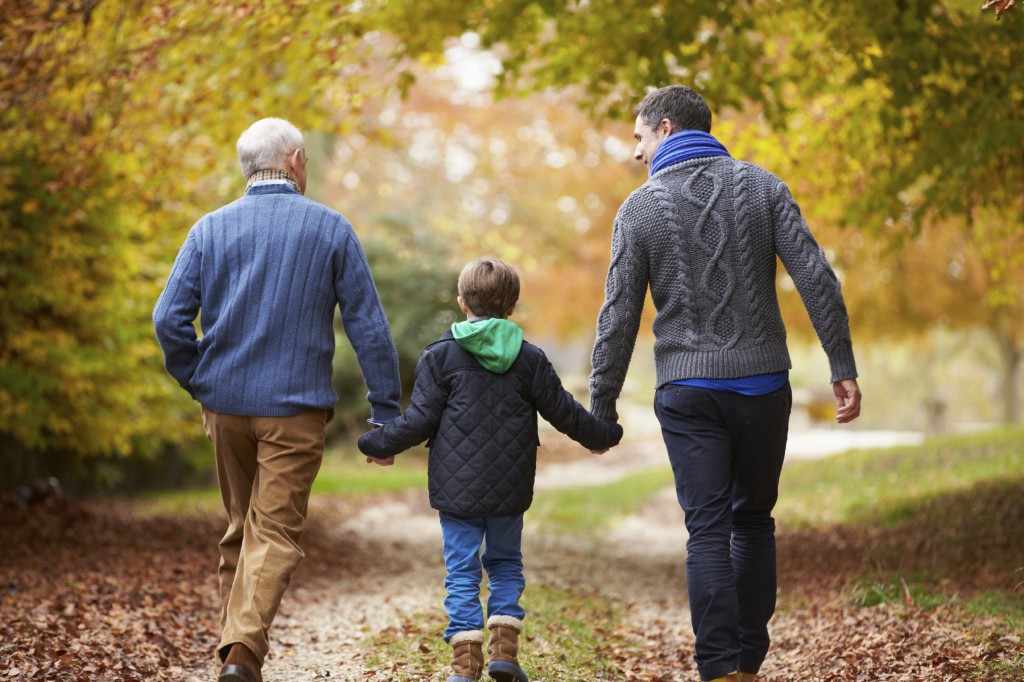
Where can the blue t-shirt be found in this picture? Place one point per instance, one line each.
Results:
(758, 384)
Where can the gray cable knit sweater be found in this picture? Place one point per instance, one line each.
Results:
(704, 235)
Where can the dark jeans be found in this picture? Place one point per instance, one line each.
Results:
(727, 451)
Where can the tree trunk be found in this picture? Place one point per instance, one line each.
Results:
(1011, 385)
(1012, 353)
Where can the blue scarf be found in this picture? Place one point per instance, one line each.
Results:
(686, 145)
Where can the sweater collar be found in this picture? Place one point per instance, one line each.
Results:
(686, 145)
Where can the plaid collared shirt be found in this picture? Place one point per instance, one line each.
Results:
(272, 174)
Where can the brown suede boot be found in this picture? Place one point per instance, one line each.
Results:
(748, 677)
(731, 677)
(503, 649)
(467, 656)
(241, 665)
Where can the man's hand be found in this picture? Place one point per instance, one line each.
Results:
(381, 462)
(847, 400)
(599, 452)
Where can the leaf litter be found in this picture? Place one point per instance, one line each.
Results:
(97, 591)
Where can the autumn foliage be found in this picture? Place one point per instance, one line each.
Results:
(899, 126)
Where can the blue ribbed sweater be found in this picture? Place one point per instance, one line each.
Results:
(268, 271)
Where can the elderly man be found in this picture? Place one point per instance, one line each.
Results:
(268, 271)
(703, 233)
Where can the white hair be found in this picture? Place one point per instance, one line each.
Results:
(267, 144)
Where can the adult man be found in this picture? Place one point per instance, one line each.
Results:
(703, 233)
(268, 271)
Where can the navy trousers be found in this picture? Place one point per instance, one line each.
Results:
(727, 451)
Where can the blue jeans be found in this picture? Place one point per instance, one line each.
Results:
(472, 545)
(726, 451)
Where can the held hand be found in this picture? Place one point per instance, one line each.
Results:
(390, 461)
(847, 400)
(599, 452)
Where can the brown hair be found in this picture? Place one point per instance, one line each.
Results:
(489, 287)
(683, 106)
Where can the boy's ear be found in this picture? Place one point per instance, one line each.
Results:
(512, 309)
(462, 306)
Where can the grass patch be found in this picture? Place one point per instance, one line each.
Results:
(592, 508)
(342, 473)
(887, 485)
(191, 502)
(1001, 620)
(925, 594)
(897, 590)
(997, 605)
(569, 635)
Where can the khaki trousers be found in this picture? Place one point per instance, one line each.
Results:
(265, 469)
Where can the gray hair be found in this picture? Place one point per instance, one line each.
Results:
(267, 144)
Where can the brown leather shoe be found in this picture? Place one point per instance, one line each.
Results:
(241, 665)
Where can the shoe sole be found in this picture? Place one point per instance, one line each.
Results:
(504, 671)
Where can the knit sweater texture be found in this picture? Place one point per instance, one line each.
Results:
(268, 271)
(704, 236)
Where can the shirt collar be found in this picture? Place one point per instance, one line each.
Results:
(272, 176)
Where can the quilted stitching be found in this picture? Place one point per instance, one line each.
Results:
(484, 451)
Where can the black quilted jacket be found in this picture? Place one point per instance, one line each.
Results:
(481, 427)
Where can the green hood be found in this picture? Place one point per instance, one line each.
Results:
(494, 342)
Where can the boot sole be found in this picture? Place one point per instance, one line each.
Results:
(505, 671)
(235, 673)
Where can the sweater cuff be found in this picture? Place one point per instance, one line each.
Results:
(604, 408)
(383, 415)
(841, 362)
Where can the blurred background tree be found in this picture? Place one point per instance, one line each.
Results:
(118, 119)
(899, 126)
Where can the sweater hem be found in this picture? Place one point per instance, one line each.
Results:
(726, 364)
(258, 409)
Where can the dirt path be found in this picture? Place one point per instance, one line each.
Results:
(98, 593)
(395, 570)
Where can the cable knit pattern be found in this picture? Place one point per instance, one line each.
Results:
(717, 282)
(704, 235)
(685, 270)
(817, 283)
(624, 300)
(742, 201)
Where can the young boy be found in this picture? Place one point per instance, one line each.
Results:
(476, 397)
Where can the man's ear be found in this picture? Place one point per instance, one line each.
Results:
(295, 160)
(666, 126)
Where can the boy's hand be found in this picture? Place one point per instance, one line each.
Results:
(381, 462)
